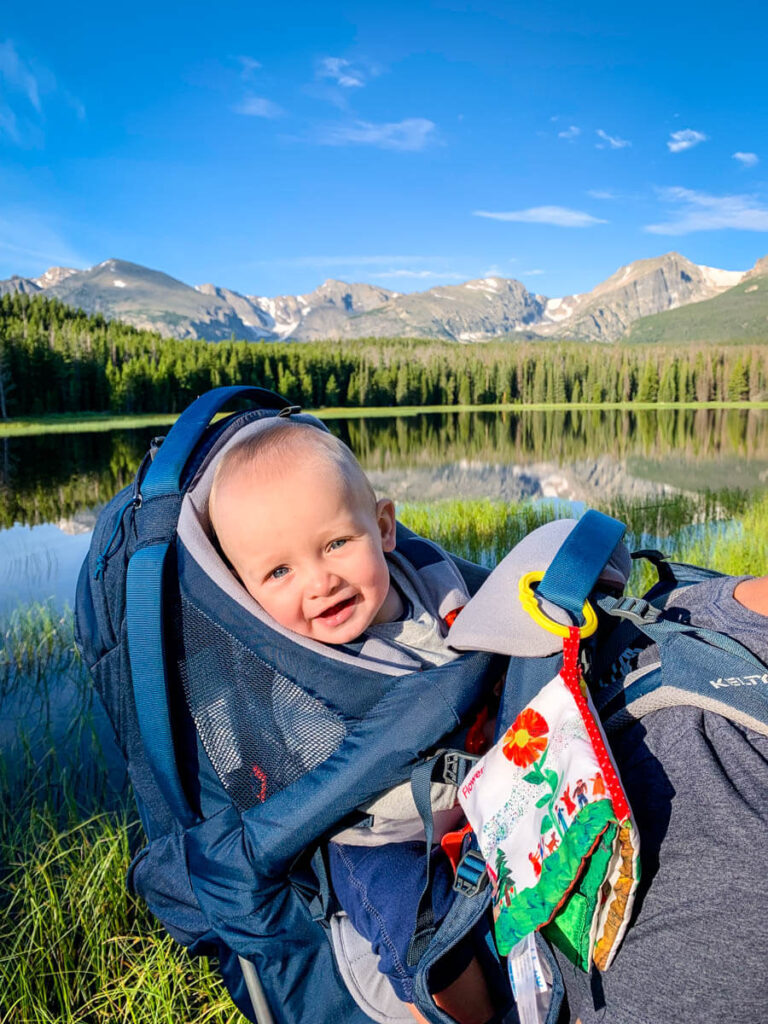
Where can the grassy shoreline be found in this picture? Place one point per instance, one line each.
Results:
(62, 423)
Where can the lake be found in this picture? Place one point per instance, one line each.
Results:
(51, 486)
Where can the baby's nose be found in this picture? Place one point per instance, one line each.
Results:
(324, 582)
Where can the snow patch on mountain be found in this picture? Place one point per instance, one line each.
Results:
(721, 279)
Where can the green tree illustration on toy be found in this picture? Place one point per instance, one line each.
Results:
(505, 883)
(525, 744)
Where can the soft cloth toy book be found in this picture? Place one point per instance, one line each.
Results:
(545, 802)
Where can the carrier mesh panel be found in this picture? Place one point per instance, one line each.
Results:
(259, 728)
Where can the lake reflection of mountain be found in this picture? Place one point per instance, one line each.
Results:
(602, 478)
(51, 478)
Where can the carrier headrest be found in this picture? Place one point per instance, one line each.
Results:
(199, 490)
(496, 618)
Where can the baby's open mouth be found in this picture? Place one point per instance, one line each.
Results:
(335, 609)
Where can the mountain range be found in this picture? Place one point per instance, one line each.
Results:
(664, 298)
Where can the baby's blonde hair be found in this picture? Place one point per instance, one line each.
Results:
(274, 450)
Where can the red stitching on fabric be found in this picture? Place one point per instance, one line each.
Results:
(262, 777)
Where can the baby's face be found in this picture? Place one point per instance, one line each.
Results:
(310, 550)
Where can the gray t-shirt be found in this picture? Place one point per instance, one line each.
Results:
(698, 785)
(418, 632)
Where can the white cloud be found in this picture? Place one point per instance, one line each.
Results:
(699, 211)
(17, 75)
(569, 133)
(23, 84)
(9, 125)
(342, 72)
(613, 141)
(560, 216)
(411, 134)
(747, 159)
(249, 65)
(258, 106)
(602, 193)
(685, 139)
(533, 273)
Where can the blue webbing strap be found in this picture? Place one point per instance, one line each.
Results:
(146, 649)
(455, 765)
(576, 567)
(144, 586)
(164, 475)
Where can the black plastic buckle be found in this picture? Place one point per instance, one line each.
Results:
(288, 410)
(457, 765)
(650, 554)
(636, 609)
(471, 874)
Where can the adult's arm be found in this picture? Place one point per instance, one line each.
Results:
(753, 594)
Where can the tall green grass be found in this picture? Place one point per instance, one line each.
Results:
(727, 530)
(75, 947)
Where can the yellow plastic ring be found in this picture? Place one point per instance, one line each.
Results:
(531, 605)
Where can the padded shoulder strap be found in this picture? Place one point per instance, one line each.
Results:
(156, 521)
(693, 665)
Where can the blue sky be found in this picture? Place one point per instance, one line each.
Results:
(268, 147)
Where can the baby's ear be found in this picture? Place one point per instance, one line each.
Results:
(385, 516)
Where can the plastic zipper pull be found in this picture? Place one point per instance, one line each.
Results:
(103, 558)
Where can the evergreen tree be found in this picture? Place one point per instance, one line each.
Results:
(648, 387)
(505, 884)
(738, 382)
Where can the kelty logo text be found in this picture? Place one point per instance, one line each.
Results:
(739, 681)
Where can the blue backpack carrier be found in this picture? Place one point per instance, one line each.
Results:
(248, 746)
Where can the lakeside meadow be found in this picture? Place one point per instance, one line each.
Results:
(75, 947)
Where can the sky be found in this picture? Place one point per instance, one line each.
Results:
(267, 147)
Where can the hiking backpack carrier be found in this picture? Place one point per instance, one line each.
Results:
(245, 744)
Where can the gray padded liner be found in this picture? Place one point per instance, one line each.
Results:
(359, 968)
(194, 532)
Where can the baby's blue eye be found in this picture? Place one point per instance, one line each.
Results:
(279, 572)
(335, 544)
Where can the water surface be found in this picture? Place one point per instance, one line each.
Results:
(52, 486)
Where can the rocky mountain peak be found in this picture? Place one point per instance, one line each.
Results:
(477, 310)
(54, 275)
(352, 298)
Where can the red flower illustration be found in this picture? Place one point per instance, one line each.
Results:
(526, 739)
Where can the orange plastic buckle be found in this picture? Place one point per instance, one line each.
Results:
(452, 843)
